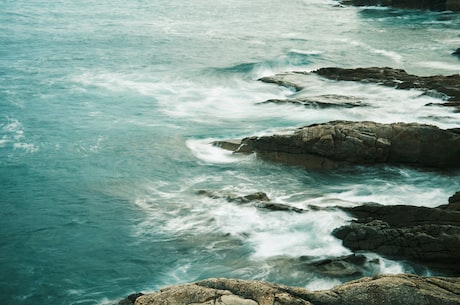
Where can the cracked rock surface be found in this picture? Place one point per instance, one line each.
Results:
(390, 289)
(427, 236)
(335, 143)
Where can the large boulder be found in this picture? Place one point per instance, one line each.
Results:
(422, 235)
(391, 289)
(335, 143)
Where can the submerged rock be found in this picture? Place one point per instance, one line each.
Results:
(336, 143)
(259, 199)
(426, 236)
(457, 52)
(322, 101)
(435, 5)
(230, 197)
(390, 289)
(289, 80)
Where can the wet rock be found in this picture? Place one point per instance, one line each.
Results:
(397, 78)
(351, 265)
(426, 236)
(457, 52)
(332, 144)
(131, 299)
(438, 86)
(435, 5)
(259, 199)
(400, 216)
(230, 197)
(274, 207)
(322, 101)
(391, 289)
(289, 80)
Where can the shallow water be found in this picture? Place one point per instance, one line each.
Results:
(107, 112)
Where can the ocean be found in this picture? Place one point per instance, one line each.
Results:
(107, 112)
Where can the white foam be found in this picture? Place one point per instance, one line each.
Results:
(394, 56)
(204, 150)
(14, 135)
(317, 284)
(27, 147)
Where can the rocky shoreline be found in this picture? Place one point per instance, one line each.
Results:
(389, 289)
(421, 236)
(429, 236)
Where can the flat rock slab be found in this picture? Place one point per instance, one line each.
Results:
(440, 86)
(391, 289)
(397, 78)
(332, 144)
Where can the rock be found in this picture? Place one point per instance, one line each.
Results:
(454, 203)
(390, 289)
(258, 196)
(400, 216)
(322, 101)
(457, 52)
(336, 143)
(259, 199)
(351, 265)
(455, 198)
(288, 80)
(438, 86)
(274, 207)
(131, 299)
(426, 236)
(435, 5)
(397, 78)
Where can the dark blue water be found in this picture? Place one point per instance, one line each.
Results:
(107, 110)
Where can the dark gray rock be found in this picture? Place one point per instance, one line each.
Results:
(332, 144)
(351, 265)
(288, 80)
(457, 52)
(131, 299)
(230, 197)
(397, 78)
(426, 236)
(322, 101)
(259, 200)
(435, 5)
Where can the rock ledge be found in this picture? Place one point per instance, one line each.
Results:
(400, 289)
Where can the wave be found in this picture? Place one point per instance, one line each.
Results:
(293, 59)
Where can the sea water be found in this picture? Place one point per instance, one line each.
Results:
(107, 111)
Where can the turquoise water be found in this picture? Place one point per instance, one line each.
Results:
(107, 110)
